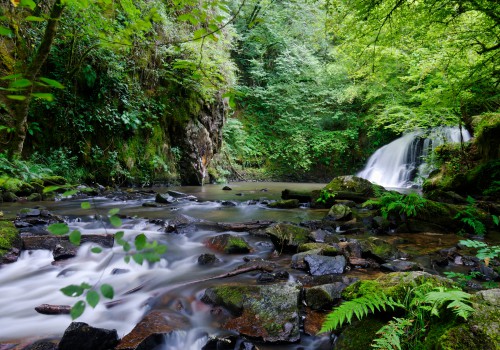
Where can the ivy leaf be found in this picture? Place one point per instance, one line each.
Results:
(52, 83)
(140, 241)
(77, 309)
(115, 221)
(85, 205)
(138, 258)
(75, 237)
(92, 298)
(58, 229)
(96, 250)
(107, 291)
(72, 290)
(113, 211)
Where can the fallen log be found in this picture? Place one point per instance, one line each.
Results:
(48, 309)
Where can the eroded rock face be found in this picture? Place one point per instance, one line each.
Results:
(269, 312)
(199, 139)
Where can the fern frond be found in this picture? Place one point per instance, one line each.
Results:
(359, 307)
(391, 333)
(457, 301)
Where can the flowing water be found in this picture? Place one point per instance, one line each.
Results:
(403, 162)
(34, 279)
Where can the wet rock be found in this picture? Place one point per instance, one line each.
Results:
(400, 266)
(228, 343)
(226, 188)
(379, 249)
(324, 248)
(31, 242)
(150, 205)
(324, 265)
(339, 212)
(487, 273)
(177, 194)
(228, 244)
(321, 236)
(207, 259)
(179, 223)
(325, 296)
(9, 256)
(288, 237)
(266, 277)
(64, 250)
(150, 331)
(352, 188)
(269, 312)
(298, 261)
(301, 196)
(81, 336)
(42, 345)
(10, 242)
(164, 199)
(360, 263)
(8, 197)
(285, 204)
(228, 204)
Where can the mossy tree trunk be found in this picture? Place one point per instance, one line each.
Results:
(19, 109)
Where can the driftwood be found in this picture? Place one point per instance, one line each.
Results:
(48, 309)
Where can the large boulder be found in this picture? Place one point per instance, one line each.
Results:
(81, 336)
(325, 265)
(228, 244)
(352, 188)
(270, 312)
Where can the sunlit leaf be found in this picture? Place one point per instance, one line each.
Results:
(58, 229)
(75, 237)
(92, 298)
(51, 82)
(96, 250)
(70, 193)
(17, 97)
(119, 235)
(199, 33)
(113, 211)
(15, 2)
(77, 309)
(43, 96)
(51, 189)
(85, 205)
(11, 77)
(20, 83)
(107, 291)
(161, 249)
(72, 290)
(115, 221)
(140, 241)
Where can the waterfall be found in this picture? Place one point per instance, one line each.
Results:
(402, 163)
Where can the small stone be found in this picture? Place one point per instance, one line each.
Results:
(207, 259)
(226, 188)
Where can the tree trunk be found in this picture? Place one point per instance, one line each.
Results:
(20, 109)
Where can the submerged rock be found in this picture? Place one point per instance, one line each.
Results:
(81, 336)
(269, 312)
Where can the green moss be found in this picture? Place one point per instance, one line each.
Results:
(360, 334)
(10, 184)
(324, 248)
(9, 237)
(285, 204)
(54, 181)
(236, 244)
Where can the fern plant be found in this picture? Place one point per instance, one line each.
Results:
(470, 217)
(396, 203)
(391, 334)
(359, 307)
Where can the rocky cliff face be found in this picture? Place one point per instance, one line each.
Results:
(199, 139)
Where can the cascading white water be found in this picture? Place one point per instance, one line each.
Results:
(401, 163)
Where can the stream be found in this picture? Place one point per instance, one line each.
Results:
(35, 279)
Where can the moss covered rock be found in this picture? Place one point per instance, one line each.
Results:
(379, 249)
(9, 239)
(353, 184)
(288, 237)
(285, 204)
(228, 244)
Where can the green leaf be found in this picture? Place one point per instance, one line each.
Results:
(119, 235)
(92, 298)
(69, 193)
(72, 290)
(5, 31)
(126, 246)
(11, 77)
(161, 249)
(34, 19)
(85, 205)
(140, 241)
(51, 82)
(96, 250)
(20, 84)
(58, 229)
(77, 309)
(17, 97)
(85, 285)
(113, 211)
(138, 258)
(107, 291)
(199, 33)
(115, 221)
(51, 189)
(127, 258)
(75, 237)
(43, 96)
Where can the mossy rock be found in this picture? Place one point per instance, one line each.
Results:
(353, 184)
(285, 204)
(228, 244)
(395, 285)
(288, 237)
(19, 187)
(322, 248)
(339, 212)
(54, 181)
(360, 334)
(9, 237)
(379, 249)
